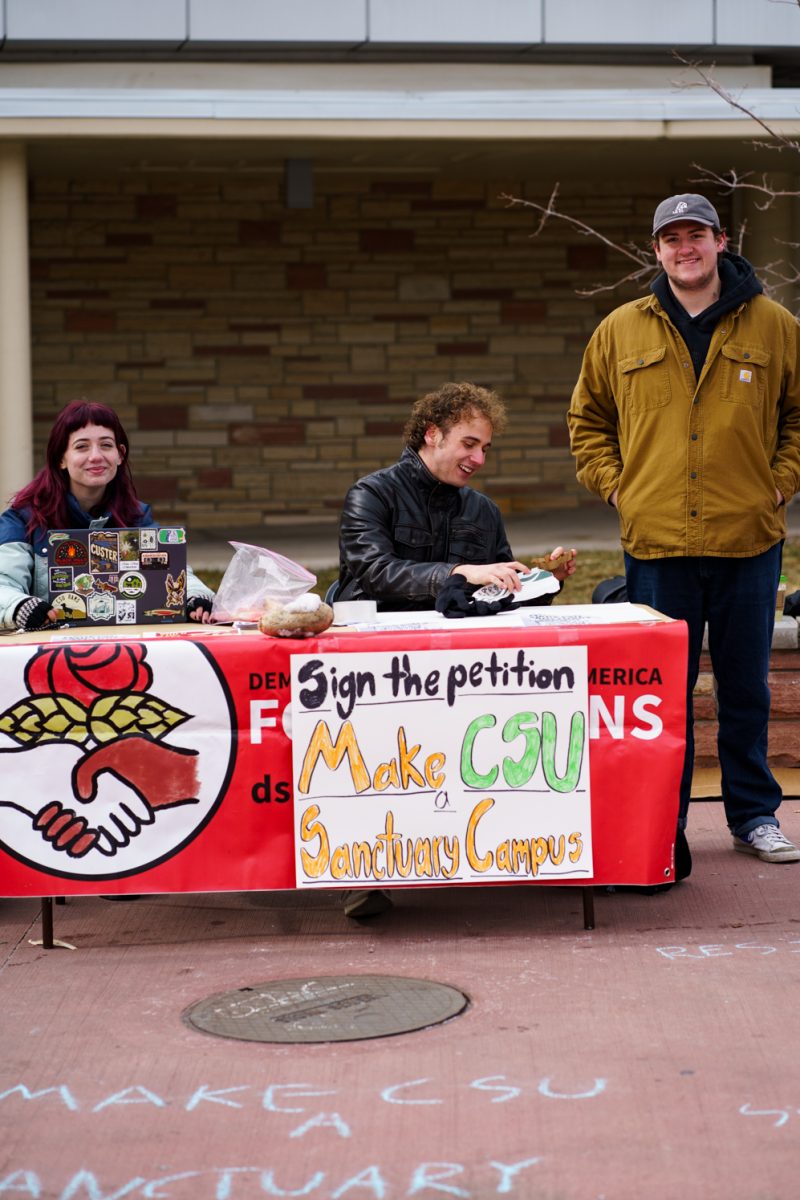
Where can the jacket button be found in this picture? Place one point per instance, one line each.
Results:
(641, 362)
(693, 512)
(746, 354)
(693, 475)
(694, 437)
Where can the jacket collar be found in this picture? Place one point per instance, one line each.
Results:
(79, 519)
(654, 304)
(411, 462)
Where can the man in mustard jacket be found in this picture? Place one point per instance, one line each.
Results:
(686, 417)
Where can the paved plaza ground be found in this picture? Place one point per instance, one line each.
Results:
(654, 1056)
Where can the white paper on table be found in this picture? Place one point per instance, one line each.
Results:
(519, 618)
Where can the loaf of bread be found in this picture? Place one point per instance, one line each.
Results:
(303, 617)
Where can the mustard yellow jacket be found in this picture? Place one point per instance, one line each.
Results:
(696, 462)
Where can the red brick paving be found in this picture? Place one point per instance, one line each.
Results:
(656, 1056)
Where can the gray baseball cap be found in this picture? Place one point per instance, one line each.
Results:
(686, 207)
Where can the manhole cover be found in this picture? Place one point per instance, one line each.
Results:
(328, 1008)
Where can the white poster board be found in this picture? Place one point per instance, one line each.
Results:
(441, 766)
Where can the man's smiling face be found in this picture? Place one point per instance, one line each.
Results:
(688, 252)
(455, 456)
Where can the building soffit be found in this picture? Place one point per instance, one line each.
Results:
(362, 115)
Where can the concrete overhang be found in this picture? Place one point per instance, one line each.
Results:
(27, 111)
(457, 117)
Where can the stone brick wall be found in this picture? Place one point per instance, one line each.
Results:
(262, 358)
(784, 725)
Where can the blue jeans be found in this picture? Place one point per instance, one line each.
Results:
(736, 596)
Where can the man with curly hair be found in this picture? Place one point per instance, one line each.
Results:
(407, 529)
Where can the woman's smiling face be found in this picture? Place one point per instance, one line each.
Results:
(91, 459)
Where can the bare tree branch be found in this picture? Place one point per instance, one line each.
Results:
(646, 265)
(634, 277)
(776, 274)
(642, 258)
(781, 273)
(707, 80)
(734, 182)
(742, 231)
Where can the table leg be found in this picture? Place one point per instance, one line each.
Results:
(588, 907)
(47, 922)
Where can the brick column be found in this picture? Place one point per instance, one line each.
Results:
(16, 409)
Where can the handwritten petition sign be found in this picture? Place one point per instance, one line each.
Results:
(441, 766)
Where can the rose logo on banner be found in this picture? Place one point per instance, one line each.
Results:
(130, 777)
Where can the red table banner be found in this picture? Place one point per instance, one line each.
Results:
(162, 760)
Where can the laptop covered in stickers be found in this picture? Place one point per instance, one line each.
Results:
(117, 576)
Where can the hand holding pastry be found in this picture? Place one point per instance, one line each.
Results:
(560, 562)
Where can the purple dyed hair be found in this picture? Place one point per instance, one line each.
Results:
(46, 494)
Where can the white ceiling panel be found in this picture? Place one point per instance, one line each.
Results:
(457, 22)
(337, 22)
(80, 21)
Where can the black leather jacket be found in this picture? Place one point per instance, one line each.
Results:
(402, 532)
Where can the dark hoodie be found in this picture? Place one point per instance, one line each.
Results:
(739, 283)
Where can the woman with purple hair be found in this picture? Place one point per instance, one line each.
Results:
(86, 483)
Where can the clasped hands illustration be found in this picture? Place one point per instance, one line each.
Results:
(158, 776)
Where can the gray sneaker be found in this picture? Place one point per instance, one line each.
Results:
(767, 843)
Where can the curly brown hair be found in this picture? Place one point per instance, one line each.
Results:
(449, 404)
